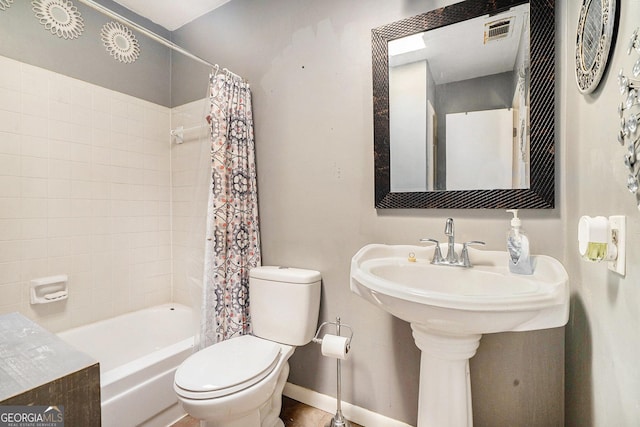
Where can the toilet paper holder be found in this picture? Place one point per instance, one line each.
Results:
(338, 419)
(339, 327)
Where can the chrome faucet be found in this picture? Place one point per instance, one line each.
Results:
(452, 258)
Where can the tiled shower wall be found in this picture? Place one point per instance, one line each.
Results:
(85, 190)
(191, 175)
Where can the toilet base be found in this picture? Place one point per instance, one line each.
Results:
(267, 415)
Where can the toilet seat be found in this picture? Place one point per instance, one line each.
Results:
(226, 367)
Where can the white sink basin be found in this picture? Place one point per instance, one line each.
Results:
(482, 299)
(451, 307)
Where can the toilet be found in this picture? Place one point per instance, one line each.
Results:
(239, 382)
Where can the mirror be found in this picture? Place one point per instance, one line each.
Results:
(462, 134)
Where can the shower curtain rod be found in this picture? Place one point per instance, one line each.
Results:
(178, 133)
(102, 9)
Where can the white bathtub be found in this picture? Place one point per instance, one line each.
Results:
(138, 354)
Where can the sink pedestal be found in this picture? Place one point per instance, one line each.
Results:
(445, 385)
(449, 309)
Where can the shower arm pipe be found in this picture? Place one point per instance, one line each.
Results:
(102, 9)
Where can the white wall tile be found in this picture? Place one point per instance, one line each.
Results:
(189, 174)
(10, 74)
(35, 81)
(58, 208)
(80, 152)
(10, 207)
(59, 246)
(34, 249)
(81, 95)
(59, 188)
(31, 187)
(9, 165)
(10, 100)
(60, 131)
(81, 207)
(59, 111)
(10, 229)
(9, 272)
(33, 268)
(82, 115)
(33, 228)
(81, 189)
(34, 167)
(60, 88)
(58, 149)
(34, 146)
(10, 121)
(34, 125)
(9, 143)
(35, 105)
(85, 191)
(81, 171)
(34, 208)
(10, 251)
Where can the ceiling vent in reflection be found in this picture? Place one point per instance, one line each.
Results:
(498, 29)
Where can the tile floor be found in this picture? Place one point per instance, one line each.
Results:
(294, 414)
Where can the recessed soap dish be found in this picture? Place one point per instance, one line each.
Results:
(49, 289)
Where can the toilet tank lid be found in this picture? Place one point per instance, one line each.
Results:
(285, 274)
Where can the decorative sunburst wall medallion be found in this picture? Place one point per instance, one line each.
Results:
(4, 4)
(60, 17)
(120, 42)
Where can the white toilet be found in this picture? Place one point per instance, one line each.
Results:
(239, 382)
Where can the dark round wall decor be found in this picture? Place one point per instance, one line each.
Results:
(593, 40)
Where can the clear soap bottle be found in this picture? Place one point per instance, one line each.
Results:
(518, 247)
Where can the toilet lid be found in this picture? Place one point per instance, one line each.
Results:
(227, 367)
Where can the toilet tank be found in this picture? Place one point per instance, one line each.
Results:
(284, 304)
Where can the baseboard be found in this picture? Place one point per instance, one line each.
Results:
(328, 404)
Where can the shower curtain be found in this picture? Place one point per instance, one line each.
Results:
(233, 236)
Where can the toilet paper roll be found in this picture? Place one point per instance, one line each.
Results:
(335, 346)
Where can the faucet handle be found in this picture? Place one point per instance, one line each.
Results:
(437, 254)
(473, 243)
(465, 252)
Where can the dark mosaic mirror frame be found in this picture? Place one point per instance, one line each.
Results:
(541, 193)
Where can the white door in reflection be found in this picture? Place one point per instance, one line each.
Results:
(479, 150)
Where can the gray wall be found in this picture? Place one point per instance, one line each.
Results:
(23, 38)
(603, 344)
(309, 64)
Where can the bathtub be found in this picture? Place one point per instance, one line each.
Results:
(138, 354)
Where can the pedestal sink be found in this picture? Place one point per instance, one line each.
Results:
(449, 309)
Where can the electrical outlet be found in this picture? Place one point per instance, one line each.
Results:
(618, 227)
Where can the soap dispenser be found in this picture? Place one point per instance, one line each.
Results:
(518, 247)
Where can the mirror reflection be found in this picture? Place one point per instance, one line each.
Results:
(534, 138)
(459, 105)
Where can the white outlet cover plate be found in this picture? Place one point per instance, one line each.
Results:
(618, 223)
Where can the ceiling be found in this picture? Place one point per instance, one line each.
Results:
(458, 52)
(171, 14)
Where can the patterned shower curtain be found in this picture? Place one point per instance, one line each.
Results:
(233, 235)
